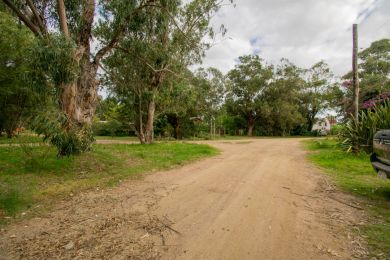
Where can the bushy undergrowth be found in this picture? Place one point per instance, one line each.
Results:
(370, 121)
(68, 139)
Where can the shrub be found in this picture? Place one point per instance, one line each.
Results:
(69, 139)
(336, 129)
(370, 121)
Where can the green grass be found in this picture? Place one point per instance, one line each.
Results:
(354, 173)
(32, 177)
(20, 139)
(118, 138)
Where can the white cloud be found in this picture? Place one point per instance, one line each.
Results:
(304, 31)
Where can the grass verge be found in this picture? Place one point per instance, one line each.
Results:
(21, 139)
(118, 138)
(32, 177)
(354, 173)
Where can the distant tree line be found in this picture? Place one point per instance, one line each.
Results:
(56, 54)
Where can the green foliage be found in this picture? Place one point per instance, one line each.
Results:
(108, 128)
(17, 99)
(112, 118)
(266, 96)
(336, 129)
(53, 63)
(318, 92)
(354, 173)
(69, 139)
(23, 184)
(151, 59)
(374, 71)
(375, 68)
(246, 86)
(370, 121)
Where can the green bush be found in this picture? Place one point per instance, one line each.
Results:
(110, 128)
(336, 129)
(370, 121)
(69, 139)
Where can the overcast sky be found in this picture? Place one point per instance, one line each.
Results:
(304, 31)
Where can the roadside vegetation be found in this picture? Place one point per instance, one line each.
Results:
(33, 178)
(354, 174)
(21, 139)
(56, 55)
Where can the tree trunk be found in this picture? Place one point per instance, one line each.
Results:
(251, 125)
(310, 123)
(87, 88)
(79, 98)
(149, 129)
(10, 133)
(177, 131)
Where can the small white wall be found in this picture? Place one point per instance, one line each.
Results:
(322, 124)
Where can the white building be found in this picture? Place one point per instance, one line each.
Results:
(322, 125)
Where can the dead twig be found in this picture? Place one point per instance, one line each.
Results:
(342, 202)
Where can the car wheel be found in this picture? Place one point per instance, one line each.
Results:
(382, 174)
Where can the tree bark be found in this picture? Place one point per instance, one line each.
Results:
(177, 131)
(78, 99)
(251, 126)
(149, 129)
(62, 18)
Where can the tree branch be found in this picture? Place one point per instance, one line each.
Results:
(37, 16)
(87, 21)
(99, 55)
(118, 34)
(62, 17)
(23, 17)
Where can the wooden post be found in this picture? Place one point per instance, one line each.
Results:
(355, 82)
(355, 77)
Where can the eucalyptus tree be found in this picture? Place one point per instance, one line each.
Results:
(169, 37)
(198, 96)
(66, 30)
(319, 92)
(247, 83)
(211, 89)
(283, 97)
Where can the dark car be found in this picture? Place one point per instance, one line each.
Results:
(380, 159)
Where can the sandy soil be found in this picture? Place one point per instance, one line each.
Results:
(257, 200)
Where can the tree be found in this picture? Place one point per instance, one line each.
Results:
(283, 99)
(199, 96)
(375, 68)
(71, 24)
(318, 93)
(247, 83)
(17, 99)
(168, 38)
(374, 75)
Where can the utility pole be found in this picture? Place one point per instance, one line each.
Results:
(355, 77)
(355, 82)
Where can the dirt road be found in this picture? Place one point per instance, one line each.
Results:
(256, 200)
